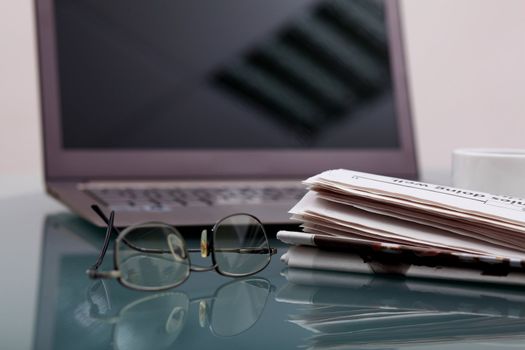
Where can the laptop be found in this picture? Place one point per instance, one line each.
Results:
(187, 111)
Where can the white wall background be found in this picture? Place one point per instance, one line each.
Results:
(466, 72)
(20, 141)
(467, 76)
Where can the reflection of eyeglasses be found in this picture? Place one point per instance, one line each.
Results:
(157, 320)
(153, 256)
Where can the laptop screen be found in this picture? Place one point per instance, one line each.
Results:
(229, 74)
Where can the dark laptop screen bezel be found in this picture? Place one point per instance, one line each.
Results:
(62, 164)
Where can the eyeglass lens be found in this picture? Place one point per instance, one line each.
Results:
(240, 246)
(152, 256)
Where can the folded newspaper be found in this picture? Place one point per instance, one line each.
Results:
(397, 226)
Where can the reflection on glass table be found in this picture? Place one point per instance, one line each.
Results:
(155, 321)
(356, 311)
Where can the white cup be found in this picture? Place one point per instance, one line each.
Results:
(496, 171)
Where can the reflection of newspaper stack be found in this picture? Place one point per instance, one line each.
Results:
(417, 225)
(355, 311)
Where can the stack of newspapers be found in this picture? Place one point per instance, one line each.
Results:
(358, 222)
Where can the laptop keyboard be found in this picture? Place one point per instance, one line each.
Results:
(167, 199)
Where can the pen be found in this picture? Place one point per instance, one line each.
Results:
(395, 254)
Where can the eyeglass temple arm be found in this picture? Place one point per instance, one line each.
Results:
(93, 270)
(196, 268)
(273, 251)
(104, 218)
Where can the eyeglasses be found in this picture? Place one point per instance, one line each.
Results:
(153, 256)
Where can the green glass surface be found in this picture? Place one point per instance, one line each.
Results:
(278, 308)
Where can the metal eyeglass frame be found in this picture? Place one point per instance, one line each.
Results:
(205, 248)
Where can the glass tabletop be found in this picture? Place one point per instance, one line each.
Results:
(276, 308)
